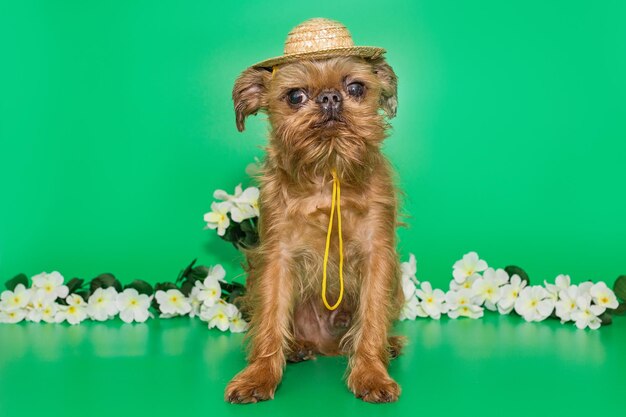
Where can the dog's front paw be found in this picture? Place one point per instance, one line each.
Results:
(373, 386)
(251, 385)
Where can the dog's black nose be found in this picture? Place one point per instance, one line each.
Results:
(329, 101)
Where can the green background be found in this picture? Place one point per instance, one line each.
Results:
(116, 125)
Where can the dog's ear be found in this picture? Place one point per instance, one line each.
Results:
(249, 94)
(389, 83)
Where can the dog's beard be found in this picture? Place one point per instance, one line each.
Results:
(311, 146)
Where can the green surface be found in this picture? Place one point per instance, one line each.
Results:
(490, 367)
(116, 125)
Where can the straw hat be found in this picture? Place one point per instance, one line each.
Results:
(320, 38)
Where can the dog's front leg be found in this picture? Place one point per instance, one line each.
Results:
(269, 332)
(368, 377)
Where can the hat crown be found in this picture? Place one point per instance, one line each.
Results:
(318, 34)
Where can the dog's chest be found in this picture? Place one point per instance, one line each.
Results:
(311, 210)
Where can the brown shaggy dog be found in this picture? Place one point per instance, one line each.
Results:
(324, 115)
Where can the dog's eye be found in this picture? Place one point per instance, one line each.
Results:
(296, 97)
(356, 89)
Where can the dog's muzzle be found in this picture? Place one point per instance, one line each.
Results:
(330, 103)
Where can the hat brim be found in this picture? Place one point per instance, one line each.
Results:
(370, 52)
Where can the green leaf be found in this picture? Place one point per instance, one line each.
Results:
(619, 287)
(15, 281)
(142, 287)
(186, 288)
(164, 286)
(186, 271)
(199, 273)
(516, 270)
(236, 293)
(606, 319)
(105, 281)
(74, 284)
(247, 226)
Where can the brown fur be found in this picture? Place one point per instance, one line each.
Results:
(288, 319)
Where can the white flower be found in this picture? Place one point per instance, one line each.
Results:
(102, 305)
(41, 307)
(228, 200)
(209, 291)
(195, 302)
(218, 217)
(172, 302)
(468, 266)
(254, 168)
(16, 299)
(75, 300)
(562, 283)
(432, 301)
(12, 316)
(217, 315)
(584, 288)
(52, 284)
(587, 315)
(411, 309)
(409, 269)
(133, 306)
(216, 272)
(74, 312)
(460, 304)
(468, 284)
(408, 287)
(246, 205)
(237, 323)
(534, 303)
(510, 292)
(566, 304)
(48, 313)
(603, 296)
(487, 288)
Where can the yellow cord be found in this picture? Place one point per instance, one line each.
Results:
(335, 200)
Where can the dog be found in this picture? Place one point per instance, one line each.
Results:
(328, 116)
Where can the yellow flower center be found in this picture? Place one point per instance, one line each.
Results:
(174, 299)
(604, 300)
(71, 310)
(534, 303)
(133, 302)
